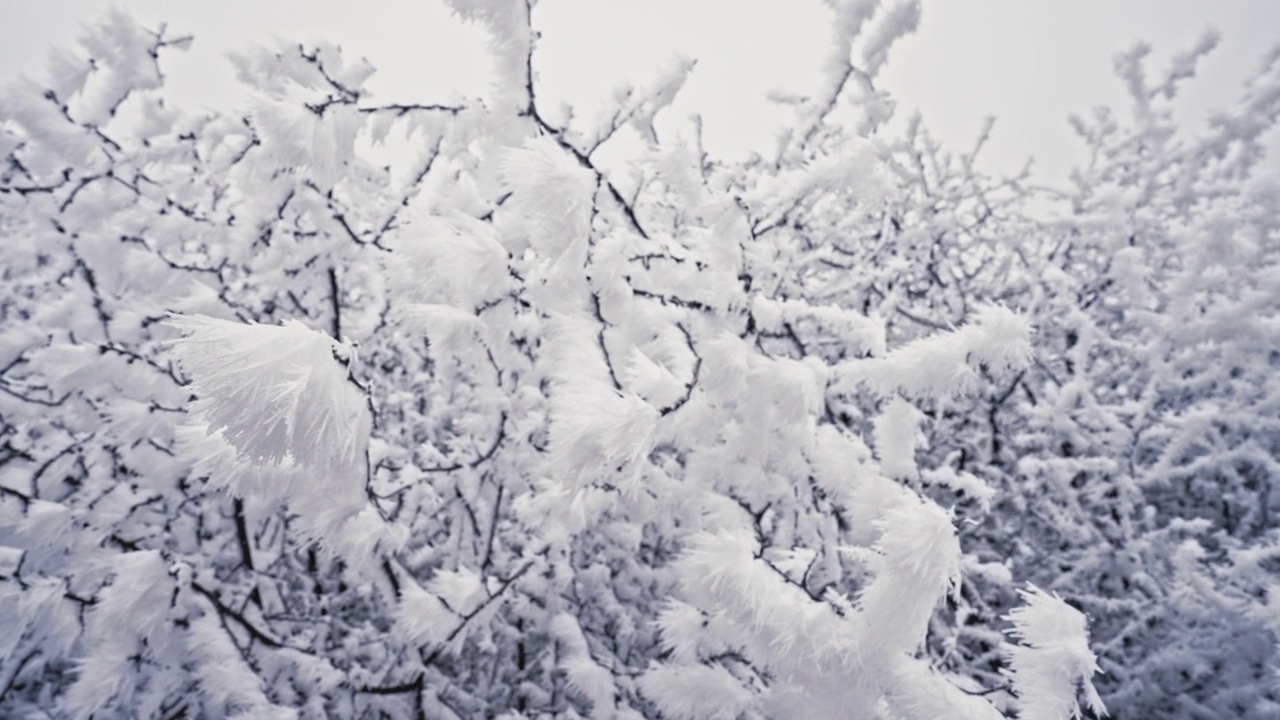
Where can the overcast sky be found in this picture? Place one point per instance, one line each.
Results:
(1028, 62)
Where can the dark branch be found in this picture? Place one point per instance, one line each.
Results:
(693, 381)
(414, 685)
(227, 612)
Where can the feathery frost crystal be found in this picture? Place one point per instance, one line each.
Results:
(279, 395)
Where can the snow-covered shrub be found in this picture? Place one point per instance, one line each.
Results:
(504, 429)
(1145, 418)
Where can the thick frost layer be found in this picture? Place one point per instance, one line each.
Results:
(1052, 659)
(277, 394)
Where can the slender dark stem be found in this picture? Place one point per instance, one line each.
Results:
(335, 301)
(228, 612)
(242, 533)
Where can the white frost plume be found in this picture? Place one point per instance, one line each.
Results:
(849, 18)
(451, 605)
(945, 365)
(769, 619)
(695, 692)
(917, 691)
(999, 339)
(680, 625)
(920, 563)
(554, 193)
(638, 106)
(423, 617)
(510, 44)
(1053, 658)
(897, 436)
(276, 412)
(297, 137)
(447, 328)
(129, 613)
(958, 481)
(455, 260)
(651, 380)
(898, 21)
(227, 679)
(213, 458)
(585, 678)
(278, 394)
(598, 432)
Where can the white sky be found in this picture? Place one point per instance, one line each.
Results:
(1028, 62)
